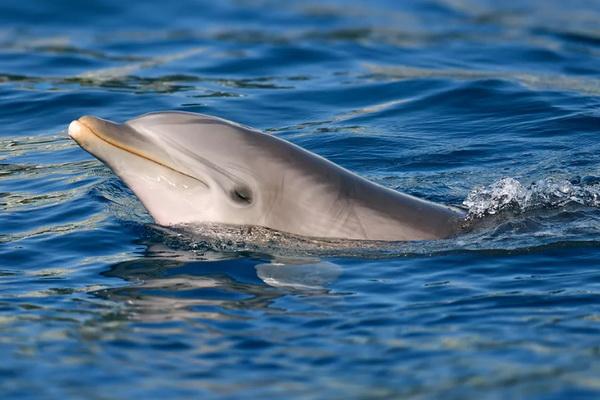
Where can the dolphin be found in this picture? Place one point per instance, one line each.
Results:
(189, 168)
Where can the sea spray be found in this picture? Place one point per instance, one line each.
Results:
(510, 194)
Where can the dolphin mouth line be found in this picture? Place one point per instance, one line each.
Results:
(139, 154)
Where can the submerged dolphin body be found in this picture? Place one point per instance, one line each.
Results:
(190, 168)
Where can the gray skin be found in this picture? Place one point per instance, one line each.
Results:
(190, 168)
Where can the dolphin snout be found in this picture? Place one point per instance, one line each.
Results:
(103, 129)
(93, 133)
(75, 129)
(88, 124)
(99, 126)
(81, 130)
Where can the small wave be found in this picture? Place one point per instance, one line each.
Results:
(510, 194)
(107, 74)
(541, 81)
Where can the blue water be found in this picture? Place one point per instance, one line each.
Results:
(464, 102)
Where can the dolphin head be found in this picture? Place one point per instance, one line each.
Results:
(192, 168)
(183, 167)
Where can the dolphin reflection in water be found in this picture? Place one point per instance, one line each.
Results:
(189, 168)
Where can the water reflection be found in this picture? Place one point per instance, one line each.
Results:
(299, 274)
(170, 284)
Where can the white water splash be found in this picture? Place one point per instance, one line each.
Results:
(510, 194)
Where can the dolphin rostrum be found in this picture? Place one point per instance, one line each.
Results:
(189, 168)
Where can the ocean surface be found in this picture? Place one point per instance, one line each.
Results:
(491, 106)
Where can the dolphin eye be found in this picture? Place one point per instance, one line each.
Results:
(241, 194)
